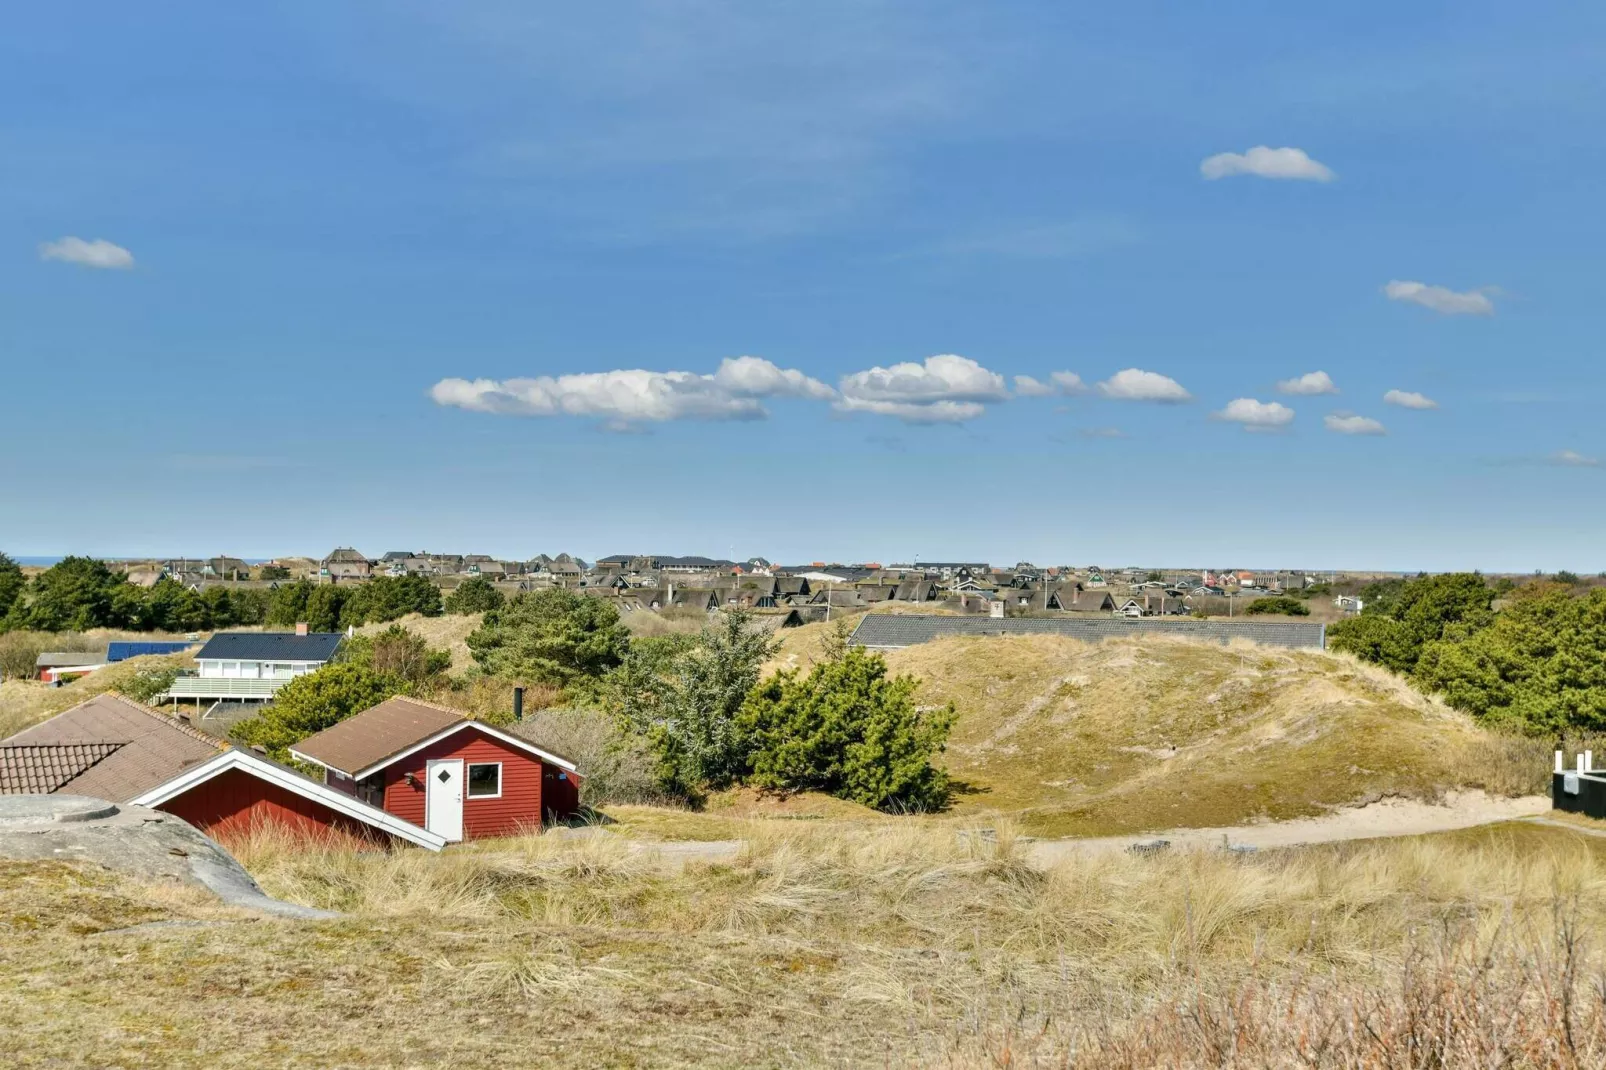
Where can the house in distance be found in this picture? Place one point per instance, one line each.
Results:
(252, 666)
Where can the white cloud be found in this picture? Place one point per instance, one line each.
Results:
(1347, 423)
(627, 397)
(1134, 384)
(1442, 299)
(1409, 399)
(1309, 383)
(757, 377)
(99, 253)
(1058, 383)
(1256, 415)
(943, 389)
(1266, 163)
(1573, 459)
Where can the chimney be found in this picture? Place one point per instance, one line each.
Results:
(518, 703)
(301, 627)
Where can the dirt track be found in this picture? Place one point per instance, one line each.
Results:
(1390, 817)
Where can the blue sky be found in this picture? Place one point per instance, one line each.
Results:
(362, 274)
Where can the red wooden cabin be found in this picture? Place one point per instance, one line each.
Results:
(433, 767)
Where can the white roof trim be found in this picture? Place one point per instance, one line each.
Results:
(512, 740)
(307, 789)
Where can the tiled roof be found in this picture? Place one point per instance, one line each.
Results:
(889, 630)
(154, 748)
(270, 646)
(41, 768)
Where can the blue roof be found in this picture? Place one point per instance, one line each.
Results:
(124, 651)
(270, 646)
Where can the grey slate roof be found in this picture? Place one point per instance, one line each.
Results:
(270, 646)
(68, 658)
(885, 631)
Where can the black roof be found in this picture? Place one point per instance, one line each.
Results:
(270, 646)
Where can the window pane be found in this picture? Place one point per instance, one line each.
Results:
(484, 780)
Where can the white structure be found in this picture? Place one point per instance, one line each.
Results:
(254, 665)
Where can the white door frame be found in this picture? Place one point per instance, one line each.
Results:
(450, 825)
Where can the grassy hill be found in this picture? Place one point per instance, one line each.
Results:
(1156, 733)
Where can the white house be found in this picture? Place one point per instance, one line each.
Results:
(254, 665)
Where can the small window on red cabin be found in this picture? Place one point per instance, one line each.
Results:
(485, 780)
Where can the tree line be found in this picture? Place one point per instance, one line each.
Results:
(80, 593)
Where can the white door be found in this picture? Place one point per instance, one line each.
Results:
(443, 797)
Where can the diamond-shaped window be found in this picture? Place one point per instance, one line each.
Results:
(444, 776)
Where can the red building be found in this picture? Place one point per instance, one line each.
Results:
(404, 771)
(116, 749)
(433, 767)
(238, 790)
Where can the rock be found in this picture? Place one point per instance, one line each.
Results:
(145, 844)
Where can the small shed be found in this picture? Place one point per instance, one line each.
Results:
(434, 766)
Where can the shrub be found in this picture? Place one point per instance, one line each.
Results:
(619, 766)
(1292, 607)
(389, 597)
(553, 636)
(288, 604)
(849, 730)
(1541, 666)
(1426, 609)
(314, 702)
(397, 652)
(683, 694)
(475, 595)
(146, 684)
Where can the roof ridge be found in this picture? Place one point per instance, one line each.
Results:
(171, 722)
(431, 705)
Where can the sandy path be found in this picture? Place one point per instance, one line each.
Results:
(1390, 817)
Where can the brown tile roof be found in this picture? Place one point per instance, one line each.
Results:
(377, 733)
(154, 747)
(39, 769)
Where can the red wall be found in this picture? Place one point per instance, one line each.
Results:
(233, 801)
(518, 809)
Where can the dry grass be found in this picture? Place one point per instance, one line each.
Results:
(823, 944)
(27, 702)
(1129, 735)
(644, 622)
(447, 632)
